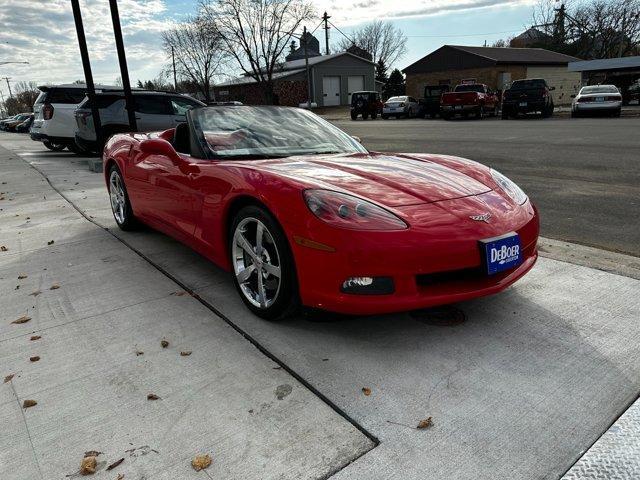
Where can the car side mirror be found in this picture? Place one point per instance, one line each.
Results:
(159, 146)
(573, 96)
(357, 139)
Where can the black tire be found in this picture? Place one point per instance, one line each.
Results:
(432, 115)
(354, 115)
(365, 116)
(129, 221)
(480, 113)
(385, 116)
(73, 147)
(617, 113)
(286, 298)
(54, 147)
(574, 114)
(374, 116)
(445, 116)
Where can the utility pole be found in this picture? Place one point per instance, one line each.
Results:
(8, 85)
(86, 66)
(306, 65)
(122, 59)
(326, 18)
(175, 78)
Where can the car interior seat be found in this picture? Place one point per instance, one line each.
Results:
(181, 141)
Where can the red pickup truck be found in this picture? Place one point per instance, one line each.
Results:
(466, 99)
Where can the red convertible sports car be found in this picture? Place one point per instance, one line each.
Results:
(303, 214)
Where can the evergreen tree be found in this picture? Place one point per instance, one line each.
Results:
(381, 72)
(395, 85)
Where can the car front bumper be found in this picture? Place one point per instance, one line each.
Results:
(427, 269)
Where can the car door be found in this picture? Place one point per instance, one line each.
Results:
(180, 106)
(153, 112)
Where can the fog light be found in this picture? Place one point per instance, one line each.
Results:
(368, 286)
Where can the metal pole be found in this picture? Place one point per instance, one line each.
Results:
(86, 66)
(8, 86)
(122, 59)
(306, 66)
(175, 78)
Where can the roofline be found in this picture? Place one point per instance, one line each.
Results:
(332, 56)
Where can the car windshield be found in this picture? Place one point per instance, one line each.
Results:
(526, 84)
(397, 99)
(433, 92)
(470, 88)
(366, 96)
(244, 132)
(599, 89)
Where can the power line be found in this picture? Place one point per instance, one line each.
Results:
(462, 35)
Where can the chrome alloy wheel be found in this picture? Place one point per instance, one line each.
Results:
(256, 263)
(116, 194)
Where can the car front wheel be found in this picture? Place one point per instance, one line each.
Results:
(120, 204)
(55, 147)
(263, 266)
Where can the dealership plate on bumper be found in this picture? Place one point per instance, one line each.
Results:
(501, 253)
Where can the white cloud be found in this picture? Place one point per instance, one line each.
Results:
(42, 32)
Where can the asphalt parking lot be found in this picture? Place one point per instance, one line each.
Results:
(582, 173)
(518, 385)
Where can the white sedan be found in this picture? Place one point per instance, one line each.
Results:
(400, 107)
(597, 99)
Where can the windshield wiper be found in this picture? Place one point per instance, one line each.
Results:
(251, 156)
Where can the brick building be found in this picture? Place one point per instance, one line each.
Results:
(496, 67)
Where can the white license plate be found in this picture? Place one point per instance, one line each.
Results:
(523, 104)
(599, 99)
(458, 107)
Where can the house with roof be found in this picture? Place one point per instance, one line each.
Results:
(333, 78)
(496, 67)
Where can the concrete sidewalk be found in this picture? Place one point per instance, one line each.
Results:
(518, 385)
(99, 312)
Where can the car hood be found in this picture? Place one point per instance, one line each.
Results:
(391, 180)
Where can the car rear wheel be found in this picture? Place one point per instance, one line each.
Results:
(120, 204)
(480, 113)
(263, 267)
(354, 115)
(55, 147)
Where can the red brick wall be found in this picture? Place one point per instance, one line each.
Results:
(290, 93)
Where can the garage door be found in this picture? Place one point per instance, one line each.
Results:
(355, 83)
(331, 91)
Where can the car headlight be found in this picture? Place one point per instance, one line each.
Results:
(347, 211)
(509, 187)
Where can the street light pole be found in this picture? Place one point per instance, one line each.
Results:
(175, 78)
(8, 86)
(122, 59)
(306, 66)
(86, 66)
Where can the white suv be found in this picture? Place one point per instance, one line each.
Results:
(54, 124)
(154, 111)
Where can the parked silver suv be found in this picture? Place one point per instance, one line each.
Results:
(154, 111)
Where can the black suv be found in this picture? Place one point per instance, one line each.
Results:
(525, 96)
(365, 104)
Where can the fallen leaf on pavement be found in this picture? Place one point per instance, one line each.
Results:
(22, 277)
(185, 354)
(120, 476)
(366, 391)
(8, 378)
(55, 286)
(35, 337)
(34, 359)
(115, 464)
(51, 242)
(29, 403)
(92, 453)
(200, 462)
(22, 319)
(36, 293)
(3, 248)
(88, 466)
(425, 424)
(153, 396)
(164, 344)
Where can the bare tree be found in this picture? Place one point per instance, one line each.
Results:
(24, 96)
(255, 33)
(381, 39)
(198, 50)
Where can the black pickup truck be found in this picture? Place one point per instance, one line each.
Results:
(527, 95)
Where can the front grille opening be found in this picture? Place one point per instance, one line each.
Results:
(438, 278)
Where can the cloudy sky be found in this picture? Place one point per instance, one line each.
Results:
(42, 32)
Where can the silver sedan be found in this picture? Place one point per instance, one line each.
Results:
(597, 99)
(400, 107)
